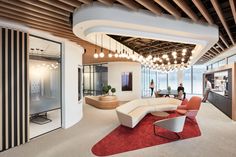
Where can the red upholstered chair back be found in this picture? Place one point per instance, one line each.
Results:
(194, 103)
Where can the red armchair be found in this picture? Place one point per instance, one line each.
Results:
(191, 108)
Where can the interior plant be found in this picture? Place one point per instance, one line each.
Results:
(107, 88)
(113, 90)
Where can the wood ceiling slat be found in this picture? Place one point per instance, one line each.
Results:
(184, 6)
(36, 15)
(222, 19)
(150, 6)
(72, 3)
(168, 7)
(29, 21)
(86, 1)
(221, 46)
(216, 49)
(42, 7)
(224, 41)
(59, 5)
(210, 53)
(130, 4)
(107, 2)
(32, 9)
(233, 8)
(203, 11)
(213, 52)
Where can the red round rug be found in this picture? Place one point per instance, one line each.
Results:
(124, 139)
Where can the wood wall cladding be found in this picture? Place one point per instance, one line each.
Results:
(14, 106)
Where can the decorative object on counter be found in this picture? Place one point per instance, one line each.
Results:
(169, 89)
(106, 91)
(113, 90)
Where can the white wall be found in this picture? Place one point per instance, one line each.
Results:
(114, 79)
(71, 107)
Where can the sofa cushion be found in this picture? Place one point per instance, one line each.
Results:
(141, 110)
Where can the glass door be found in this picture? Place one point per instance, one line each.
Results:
(44, 86)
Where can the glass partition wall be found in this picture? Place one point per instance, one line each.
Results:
(45, 85)
(95, 76)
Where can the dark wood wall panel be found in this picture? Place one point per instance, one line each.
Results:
(13, 88)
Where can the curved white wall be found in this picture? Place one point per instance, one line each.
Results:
(71, 107)
(114, 79)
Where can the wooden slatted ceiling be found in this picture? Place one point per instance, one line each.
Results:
(55, 16)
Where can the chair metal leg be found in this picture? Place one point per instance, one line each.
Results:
(155, 132)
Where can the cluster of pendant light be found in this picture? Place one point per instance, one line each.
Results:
(153, 62)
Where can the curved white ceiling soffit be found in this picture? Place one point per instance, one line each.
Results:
(117, 20)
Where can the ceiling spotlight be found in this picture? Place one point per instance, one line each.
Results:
(162, 64)
(184, 50)
(182, 62)
(116, 55)
(175, 62)
(175, 57)
(183, 53)
(149, 57)
(174, 53)
(101, 54)
(95, 55)
(109, 55)
(191, 57)
(167, 59)
(165, 56)
(160, 60)
(182, 59)
(193, 51)
(168, 63)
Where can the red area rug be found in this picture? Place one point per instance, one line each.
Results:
(124, 139)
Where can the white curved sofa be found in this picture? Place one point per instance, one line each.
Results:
(132, 112)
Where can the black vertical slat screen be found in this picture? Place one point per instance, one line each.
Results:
(14, 88)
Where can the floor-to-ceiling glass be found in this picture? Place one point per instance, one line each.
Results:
(197, 79)
(45, 85)
(187, 80)
(173, 80)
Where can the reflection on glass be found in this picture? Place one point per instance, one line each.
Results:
(44, 86)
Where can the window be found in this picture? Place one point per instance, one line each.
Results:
(215, 65)
(231, 59)
(187, 83)
(162, 81)
(222, 62)
(197, 79)
(173, 80)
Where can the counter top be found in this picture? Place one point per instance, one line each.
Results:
(219, 92)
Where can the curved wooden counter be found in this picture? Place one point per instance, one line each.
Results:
(101, 102)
